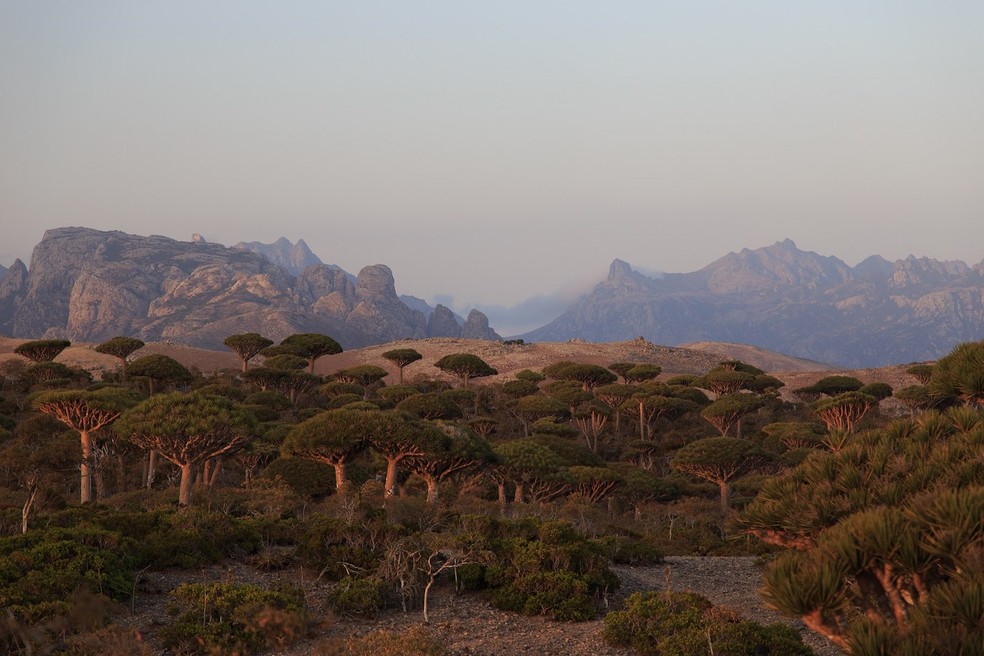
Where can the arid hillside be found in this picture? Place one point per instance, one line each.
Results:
(507, 359)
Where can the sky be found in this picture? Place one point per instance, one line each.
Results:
(496, 154)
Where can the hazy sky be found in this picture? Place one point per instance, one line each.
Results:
(492, 151)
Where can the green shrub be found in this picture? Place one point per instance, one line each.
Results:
(193, 537)
(686, 624)
(562, 595)
(42, 569)
(307, 478)
(224, 618)
(354, 597)
(541, 568)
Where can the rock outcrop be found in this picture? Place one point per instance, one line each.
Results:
(13, 282)
(293, 258)
(442, 323)
(477, 327)
(90, 285)
(796, 302)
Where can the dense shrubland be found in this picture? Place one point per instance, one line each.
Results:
(525, 491)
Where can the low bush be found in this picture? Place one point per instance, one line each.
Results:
(686, 624)
(225, 618)
(354, 597)
(41, 570)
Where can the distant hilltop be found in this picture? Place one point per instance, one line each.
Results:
(90, 285)
(792, 301)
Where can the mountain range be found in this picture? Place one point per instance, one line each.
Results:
(792, 301)
(90, 285)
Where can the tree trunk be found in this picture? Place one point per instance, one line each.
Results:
(341, 483)
(725, 497)
(26, 510)
(432, 492)
(86, 491)
(518, 497)
(391, 485)
(245, 364)
(501, 487)
(642, 423)
(100, 481)
(187, 481)
(151, 468)
(216, 470)
(427, 588)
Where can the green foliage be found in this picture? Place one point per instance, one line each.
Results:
(429, 406)
(307, 478)
(921, 372)
(640, 372)
(686, 624)
(396, 393)
(310, 346)
(561, 595)
(881, 525)
(519, 388)
(270, 398)
(466, 366)
(120, 347)
(40, 570)
(42, 350)
(188, 538)
(402, 357)
(337, 548)
(356, 597)
(727, 410)
(878, 391)
(168, 538)
(247, 345)
(160, 368)
(959, 377)
(544, 568)
(834, 385)
(285, 362)
(588, 376)
(364, 374)
(227, 619)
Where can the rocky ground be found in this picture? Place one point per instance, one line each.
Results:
(471, 626)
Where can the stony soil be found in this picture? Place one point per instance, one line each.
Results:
(470, 625)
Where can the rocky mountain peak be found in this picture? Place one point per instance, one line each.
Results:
(292, 257)
(477, 327)
(376, 281)
(443, 323)
(784, 299)
(619, 269)
(89, 285)
(779, 265)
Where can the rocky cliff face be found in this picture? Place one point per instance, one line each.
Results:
(477, 327)
(90, 285)
(442, 323)
(293, 258)
(788, 300)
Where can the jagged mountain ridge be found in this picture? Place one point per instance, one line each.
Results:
(89, 285)
(292, 257)
(792, 301)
